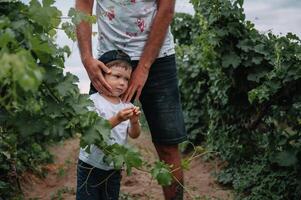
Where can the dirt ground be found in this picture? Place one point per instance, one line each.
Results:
(60, 182)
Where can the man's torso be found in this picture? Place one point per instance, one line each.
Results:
(125, 25)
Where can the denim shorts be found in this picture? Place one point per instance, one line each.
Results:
(96, 184)
(161, 102)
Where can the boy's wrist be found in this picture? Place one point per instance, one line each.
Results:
(135, 121)
(119, 119)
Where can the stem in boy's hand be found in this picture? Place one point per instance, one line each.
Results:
(121, 116)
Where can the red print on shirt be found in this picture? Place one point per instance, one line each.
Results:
(133, 1)
(141, 24)
(111, 14)
(131, 34)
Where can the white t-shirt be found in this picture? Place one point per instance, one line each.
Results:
(125, 25)
(119, 133)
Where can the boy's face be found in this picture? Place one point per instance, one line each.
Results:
(118, 79)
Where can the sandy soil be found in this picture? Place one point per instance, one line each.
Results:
(60, 183)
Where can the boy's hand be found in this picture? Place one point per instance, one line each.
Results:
(135, 128)
(136, 113)
(132, 114)
(125, 114)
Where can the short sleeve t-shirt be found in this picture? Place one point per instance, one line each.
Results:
(106, 109)
(125, 25)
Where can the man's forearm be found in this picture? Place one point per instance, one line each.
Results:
(84, 30)
(157, 34)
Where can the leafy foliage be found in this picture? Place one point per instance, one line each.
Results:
(39, 104)
(162, 173)
(244, 100)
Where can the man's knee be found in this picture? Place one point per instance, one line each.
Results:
(167, 151)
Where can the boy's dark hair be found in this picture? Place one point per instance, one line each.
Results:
(116, 58)
(119, 63)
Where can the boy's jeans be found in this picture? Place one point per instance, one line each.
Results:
(97, 184)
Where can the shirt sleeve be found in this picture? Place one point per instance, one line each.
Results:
(96, 106)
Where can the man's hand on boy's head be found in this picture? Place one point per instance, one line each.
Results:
(95, 70)
(136, 84)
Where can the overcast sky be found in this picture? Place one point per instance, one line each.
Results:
(279, 16)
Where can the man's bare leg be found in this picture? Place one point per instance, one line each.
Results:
(170, 154)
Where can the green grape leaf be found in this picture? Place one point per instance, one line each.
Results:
(285, 158)
(45, 15)
(162, 173)
(132, 159)
(231, 59)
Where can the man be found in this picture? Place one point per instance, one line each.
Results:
(141, 28)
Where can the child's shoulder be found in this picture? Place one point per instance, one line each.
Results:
(98, 100)
(94, 96)
(97, 97)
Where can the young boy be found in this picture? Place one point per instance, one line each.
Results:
(97, 180)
